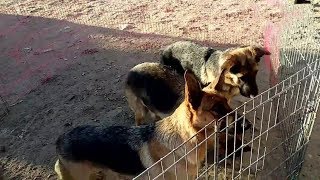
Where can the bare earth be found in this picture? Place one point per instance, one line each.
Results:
(63, 64)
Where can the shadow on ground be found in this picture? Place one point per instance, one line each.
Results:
(56, 75)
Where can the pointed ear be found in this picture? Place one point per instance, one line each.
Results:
(217, 84)
(259, 52)
(193, 92)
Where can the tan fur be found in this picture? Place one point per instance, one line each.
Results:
(226, 83)
(141, 112)
(170, 132)
(67, 170)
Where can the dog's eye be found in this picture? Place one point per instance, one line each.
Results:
(235, 69)
(219, 109)
(245, 78)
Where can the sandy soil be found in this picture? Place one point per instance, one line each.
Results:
(63, 63)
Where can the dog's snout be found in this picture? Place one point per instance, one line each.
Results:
(243, 124)
(240, 126)
(248, 90)
(245, 90)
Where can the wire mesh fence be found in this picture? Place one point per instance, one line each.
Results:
(274, 151)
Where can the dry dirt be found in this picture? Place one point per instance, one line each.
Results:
(63, 63)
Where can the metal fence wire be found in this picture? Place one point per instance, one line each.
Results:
(282, 116)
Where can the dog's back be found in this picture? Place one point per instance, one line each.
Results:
(115, 147)
(186, 55)
(155, 87)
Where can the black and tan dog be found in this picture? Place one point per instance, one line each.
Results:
(234, 69)
(154, 91)
(86, 150)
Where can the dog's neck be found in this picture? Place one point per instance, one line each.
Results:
(178, 128)
(212, 68)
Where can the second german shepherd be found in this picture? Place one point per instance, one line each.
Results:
(154, 91)
(87, 150)
(234, 69)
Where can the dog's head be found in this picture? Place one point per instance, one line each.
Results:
(205, 107)
(240, 69)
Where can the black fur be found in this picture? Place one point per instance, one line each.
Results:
(114, 147)
(154, 91)
(248, 86)
(240, 128)
(208, 54)
(186, 55)
(174, 63)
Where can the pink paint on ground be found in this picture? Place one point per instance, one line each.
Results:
(266, 43)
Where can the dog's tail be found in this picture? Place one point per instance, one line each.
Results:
(168, 59)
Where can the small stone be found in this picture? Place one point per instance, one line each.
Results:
(67, 124)
(50, 175)
(27, 49)
(66, 29)
(2, 149)
(126, 27)
(71, 97)
(47, 50)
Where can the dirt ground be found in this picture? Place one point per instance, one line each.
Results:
(63, 63)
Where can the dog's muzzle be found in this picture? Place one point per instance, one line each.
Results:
(242, 125)
(249, 91)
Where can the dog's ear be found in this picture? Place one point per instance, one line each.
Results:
(259, 52)
(217, 84)
(193, 92)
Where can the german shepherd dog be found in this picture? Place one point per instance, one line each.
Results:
(86, 150)
(234, 70)
(154, 91)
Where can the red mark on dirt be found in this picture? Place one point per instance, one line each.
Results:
(266, 43)
(46, 80)
(271, 35)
